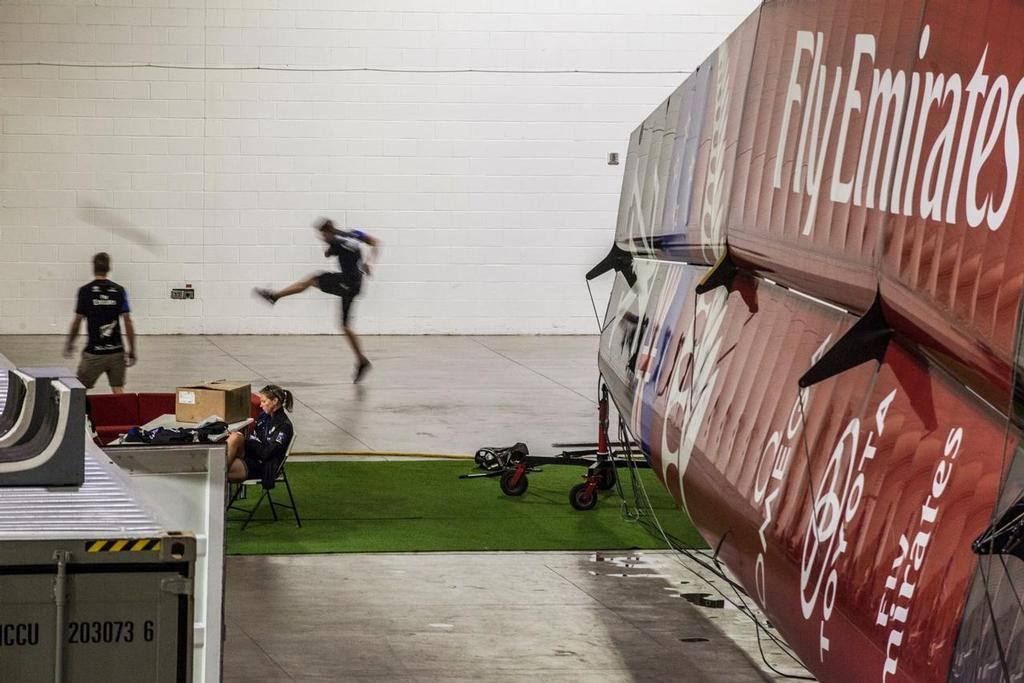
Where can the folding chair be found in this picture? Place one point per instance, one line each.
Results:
(282, 476)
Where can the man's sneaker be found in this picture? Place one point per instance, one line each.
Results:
(266, 295)
(361, 369)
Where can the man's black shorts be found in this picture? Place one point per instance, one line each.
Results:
(342, 286)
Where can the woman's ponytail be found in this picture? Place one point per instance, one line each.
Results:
(283, 396)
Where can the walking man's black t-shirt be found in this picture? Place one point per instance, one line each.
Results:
(101, 303)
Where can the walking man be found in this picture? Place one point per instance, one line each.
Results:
(347, 245)
(103, 303)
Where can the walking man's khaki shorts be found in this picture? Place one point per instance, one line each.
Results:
(95, 364)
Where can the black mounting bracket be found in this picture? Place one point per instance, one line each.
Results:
(866, 340)
(618, 260)
(720, 275)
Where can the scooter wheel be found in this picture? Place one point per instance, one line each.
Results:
(581, 499)
(481, 456)
(518, 489)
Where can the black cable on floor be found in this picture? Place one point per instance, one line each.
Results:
(678, 546)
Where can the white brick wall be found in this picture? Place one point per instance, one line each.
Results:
(490, 191)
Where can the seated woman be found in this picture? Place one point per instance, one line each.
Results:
(259, 455)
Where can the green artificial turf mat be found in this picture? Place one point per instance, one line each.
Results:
(424, 506)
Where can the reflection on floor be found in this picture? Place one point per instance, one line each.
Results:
(443, 616)
(476, 617)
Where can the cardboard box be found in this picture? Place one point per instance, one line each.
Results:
(227, 400)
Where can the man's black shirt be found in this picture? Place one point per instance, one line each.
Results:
(347, 246)
(101, 303)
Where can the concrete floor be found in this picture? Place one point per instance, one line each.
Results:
(443, 616)
(552, 617)
(424, 394)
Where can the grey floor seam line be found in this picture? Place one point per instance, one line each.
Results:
(231, 356)
(311, 409)
(264, 651)
(336, 425)
(396, 657)
(536, 372)
(575, 585)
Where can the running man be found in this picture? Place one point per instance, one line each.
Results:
(347, 245)
(103, 303)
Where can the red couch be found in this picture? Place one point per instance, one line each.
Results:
(115, 414)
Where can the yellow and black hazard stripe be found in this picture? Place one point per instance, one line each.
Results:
(122, 545)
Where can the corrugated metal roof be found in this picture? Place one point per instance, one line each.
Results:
(102, 506)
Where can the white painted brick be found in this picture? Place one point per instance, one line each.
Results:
(224, 254)
(464, 176)
(186, 254)
(95, 15)
(177, 16)
(131, 16)
(167, 272)
(241, 54)
(185, 182)
(231, 200)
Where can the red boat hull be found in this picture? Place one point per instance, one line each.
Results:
(847, 160)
